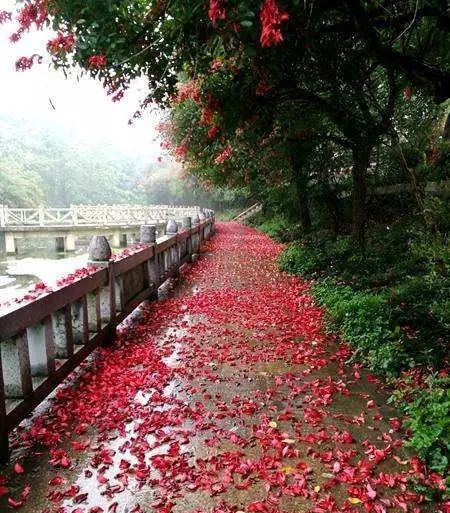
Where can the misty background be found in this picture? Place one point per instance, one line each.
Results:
(63, 140)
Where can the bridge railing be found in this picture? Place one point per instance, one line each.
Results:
(91, 215)
(42, 341)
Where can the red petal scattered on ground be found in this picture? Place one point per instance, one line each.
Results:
(228, 396)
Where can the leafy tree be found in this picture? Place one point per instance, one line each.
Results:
(346, 61)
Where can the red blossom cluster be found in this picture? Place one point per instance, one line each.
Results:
(187, 91)
(213, 131)
(216, 11)
(5, 16)
(25, 63)
(262, 88)
(97, 61)
(61, 44)
(180, 151)
(271, 19)
(33, 12)
(216, 64)
(207, 115)
(223, 155)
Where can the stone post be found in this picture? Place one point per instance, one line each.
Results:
(16, 366)
(115, 240)
(148, 236)
(186, 224)
(195, 239)
(172, 229)
(41, 349)
(148, 233)
(10, 244)
(70, 242)
(99, 250)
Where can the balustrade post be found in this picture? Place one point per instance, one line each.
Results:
(2, 216)
(4, 440)
(201, 232)
(99, 301)
(174, 259)
(62, 333)
(99, 251)
(186, 224)
(195, 238)
(41, 348)
(74, 214)
(16, 366)
(148, 233)
(148, 236)
(113, 293)
(41, 215)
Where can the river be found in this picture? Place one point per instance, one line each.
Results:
(36, 261)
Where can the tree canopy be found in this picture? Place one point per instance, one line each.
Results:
(258, 90)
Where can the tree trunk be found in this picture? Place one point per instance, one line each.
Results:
(361, 161)
(300, 178)
(335, 210)
(301, 184)
(446, 133)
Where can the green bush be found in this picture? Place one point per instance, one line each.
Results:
(363, 320)
(428, 411)
(299, 258)
(276, 227)
(391, 303)
(418, 304)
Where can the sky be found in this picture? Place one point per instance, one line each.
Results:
(82, 107)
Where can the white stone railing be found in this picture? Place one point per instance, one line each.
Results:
(42, 341)
(91, 215)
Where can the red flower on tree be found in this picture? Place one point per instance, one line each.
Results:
(224, 155)
(213, 131)
(216, 11)
(262, 88)
(61, 44)
(5, 16)
(25, 63)
(33, 12)
(271, 19)
(187, 91)
(97, 61)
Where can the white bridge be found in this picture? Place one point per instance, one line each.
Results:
(66, 224)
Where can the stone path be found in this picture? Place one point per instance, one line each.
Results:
(228, 397)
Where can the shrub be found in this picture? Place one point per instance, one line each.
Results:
(391, 303)
(428, 409)
(301, 259)
(363, 320)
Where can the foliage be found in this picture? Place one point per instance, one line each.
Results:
(293, 63)
(391, 303)
(169, 186)
(278, 228)
(363, 319)
(19, 186)
(428, 410)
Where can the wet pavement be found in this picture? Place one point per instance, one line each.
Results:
(225, 396)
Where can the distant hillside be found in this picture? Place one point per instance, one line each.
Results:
(41, 166)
